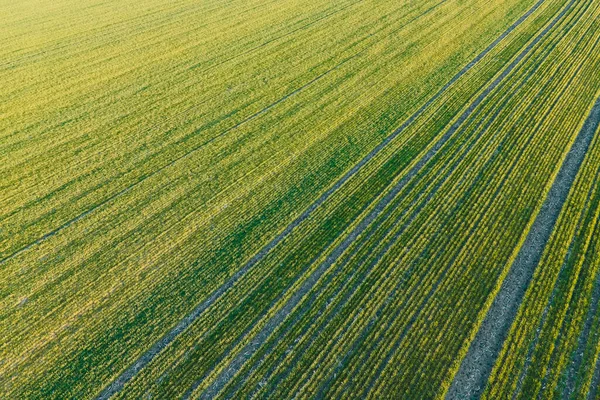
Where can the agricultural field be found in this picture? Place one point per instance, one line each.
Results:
(300, 199)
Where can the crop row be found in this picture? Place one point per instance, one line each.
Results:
(104, 265)
(552, 344)
(323, 360)
(188, 364)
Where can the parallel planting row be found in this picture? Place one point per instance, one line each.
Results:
(294, 198)
(552, 349)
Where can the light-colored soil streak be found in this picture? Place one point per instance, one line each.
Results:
(471, 378)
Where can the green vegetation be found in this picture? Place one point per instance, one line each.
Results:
(294, 198)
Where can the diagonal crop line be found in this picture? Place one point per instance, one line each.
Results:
(174, 161)
(595, 383)
(187, 154)
(399, 232)
(575, 367)
(166, 340)
(445, 271)
(248, 351)
(483, 351)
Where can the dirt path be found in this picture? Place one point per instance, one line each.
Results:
(471, 378)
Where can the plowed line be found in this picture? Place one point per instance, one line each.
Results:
(471, 378)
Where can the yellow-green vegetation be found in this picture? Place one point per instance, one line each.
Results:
(297, 198)
(553, 344)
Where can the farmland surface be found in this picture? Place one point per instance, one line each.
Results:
(299, 199)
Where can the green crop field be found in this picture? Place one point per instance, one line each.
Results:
(299, 199)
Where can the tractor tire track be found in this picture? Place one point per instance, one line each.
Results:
(483, 351)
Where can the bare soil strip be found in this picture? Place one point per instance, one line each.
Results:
(470, 380)
(406, 276)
